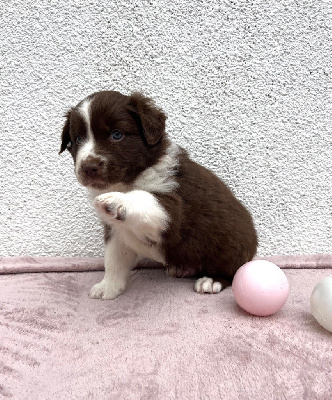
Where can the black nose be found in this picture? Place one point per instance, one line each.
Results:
(92, 168)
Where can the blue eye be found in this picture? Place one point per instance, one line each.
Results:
(116, 135)
(78, 140)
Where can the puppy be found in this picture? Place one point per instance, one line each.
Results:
(154, 201)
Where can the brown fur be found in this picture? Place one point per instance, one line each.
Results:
(210, 233)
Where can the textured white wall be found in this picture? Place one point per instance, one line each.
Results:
(246, 86)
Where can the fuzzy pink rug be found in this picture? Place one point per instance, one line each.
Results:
(159, 340)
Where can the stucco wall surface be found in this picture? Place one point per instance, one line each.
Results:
(246, 86)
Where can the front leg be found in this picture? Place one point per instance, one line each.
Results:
(119, 261)
(138, 221)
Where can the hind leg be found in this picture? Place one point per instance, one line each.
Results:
(209, 285)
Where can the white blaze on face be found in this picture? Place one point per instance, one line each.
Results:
(87, 148)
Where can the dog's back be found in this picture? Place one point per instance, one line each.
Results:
(213, 234)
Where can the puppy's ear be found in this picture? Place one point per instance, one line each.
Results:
(150, 118)
(65, 138)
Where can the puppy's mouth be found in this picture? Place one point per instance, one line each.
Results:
(92, 182)
(91, 177)
(97, 185)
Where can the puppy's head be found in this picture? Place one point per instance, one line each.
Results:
(113, 138)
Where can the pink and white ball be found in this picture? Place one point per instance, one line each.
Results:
(321, 302)
(260, 287)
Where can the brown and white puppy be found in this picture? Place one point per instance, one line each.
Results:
(154, 201)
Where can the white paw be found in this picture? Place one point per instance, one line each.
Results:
(111, 206)
(207, 285)
(106, 290)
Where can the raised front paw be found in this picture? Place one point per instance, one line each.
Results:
(111, 206)
(106, 290)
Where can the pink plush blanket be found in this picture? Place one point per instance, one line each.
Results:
(159, 340)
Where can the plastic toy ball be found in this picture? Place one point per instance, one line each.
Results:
(260, 287)
(321, 303)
